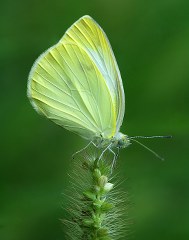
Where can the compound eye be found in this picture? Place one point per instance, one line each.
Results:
(120, 142)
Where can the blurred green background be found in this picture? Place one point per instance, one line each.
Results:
(151, 42)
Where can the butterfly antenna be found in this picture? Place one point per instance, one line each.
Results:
(147, 148)
(169, 136)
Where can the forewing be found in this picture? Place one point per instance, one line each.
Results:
(87, 34)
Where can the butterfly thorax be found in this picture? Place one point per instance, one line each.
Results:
(120, 140)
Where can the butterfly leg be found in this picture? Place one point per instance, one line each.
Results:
(114, 159)
(91, 142)
(108, 147)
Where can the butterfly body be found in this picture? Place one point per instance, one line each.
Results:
(120, 140)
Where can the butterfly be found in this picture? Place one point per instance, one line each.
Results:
(77, 84)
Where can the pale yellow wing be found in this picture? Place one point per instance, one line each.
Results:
(68, 86)
(89, 36)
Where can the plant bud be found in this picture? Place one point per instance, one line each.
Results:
(97, 173)
(102, 181)
(108, 187)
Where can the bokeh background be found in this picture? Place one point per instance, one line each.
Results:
(150, 40)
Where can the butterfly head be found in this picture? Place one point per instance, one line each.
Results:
(120, 140)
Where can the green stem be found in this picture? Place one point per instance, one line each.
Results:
(98, 206)
(95, 207)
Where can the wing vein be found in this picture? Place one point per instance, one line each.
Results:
(89, 85)
(53, 98)
(54, 106)
(53, 84)
(76, 87)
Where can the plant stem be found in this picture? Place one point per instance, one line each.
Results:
(96, 207)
